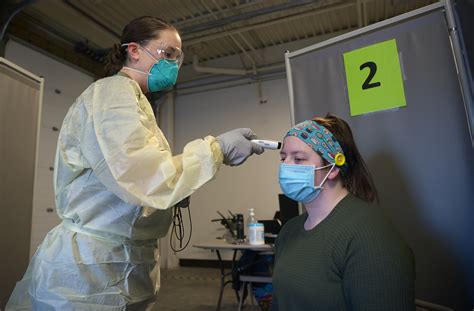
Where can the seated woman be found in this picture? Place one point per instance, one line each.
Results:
(342, 254)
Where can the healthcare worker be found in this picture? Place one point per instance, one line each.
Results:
(115, 180)
(342, 254)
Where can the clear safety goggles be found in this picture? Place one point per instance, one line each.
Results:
(164, 51)
(170, 53)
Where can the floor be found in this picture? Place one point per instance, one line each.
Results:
(195, 289)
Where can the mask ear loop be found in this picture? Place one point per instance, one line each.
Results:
(333, 165)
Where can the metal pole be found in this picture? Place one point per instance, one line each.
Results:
(290, 87)
(461, 67)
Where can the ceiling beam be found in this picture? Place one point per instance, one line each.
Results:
(246, 16)
(252, 60)
(28, 32)
(182, 23)
(318, 11)
(92, 18)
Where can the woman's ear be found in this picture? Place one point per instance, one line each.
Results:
(133, 52)
(334, 173)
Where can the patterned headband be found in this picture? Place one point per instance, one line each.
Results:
(320, 140)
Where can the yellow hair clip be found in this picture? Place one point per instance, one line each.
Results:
(339, 159)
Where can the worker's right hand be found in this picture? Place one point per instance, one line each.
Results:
(237, 147)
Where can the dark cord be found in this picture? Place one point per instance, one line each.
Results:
(178, 230)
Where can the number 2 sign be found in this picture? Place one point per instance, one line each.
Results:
(374, 78)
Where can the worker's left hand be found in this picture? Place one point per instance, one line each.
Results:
(237, 147)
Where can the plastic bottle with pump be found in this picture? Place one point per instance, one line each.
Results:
(254, 230)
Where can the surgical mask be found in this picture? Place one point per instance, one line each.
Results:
(161, 75)
(297, 181)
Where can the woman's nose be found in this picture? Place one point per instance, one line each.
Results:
(288, 160)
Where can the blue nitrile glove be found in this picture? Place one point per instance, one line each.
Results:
(237, 147)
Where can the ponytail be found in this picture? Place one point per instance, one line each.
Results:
(115, 60)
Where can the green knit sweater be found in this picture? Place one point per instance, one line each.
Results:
(352, 260)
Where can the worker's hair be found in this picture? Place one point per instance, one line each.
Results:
(355, 175)
(139, 30)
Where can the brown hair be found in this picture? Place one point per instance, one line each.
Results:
(140, 29)
(355, 174)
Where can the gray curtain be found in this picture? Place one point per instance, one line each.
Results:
(420, 155)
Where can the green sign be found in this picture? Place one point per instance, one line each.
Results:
(374, 78)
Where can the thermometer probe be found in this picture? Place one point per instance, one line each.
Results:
(267, 144)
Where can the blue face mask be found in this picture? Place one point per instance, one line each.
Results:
(297, 181)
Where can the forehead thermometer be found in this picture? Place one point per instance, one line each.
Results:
(267, 144)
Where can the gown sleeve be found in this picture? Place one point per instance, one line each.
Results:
(137, 163)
